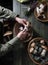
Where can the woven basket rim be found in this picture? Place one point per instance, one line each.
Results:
(38, 18)
(38, 38)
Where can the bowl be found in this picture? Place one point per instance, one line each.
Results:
(45, 12)
(18, 27)
(38, 51)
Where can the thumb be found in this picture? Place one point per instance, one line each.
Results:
(19, 34)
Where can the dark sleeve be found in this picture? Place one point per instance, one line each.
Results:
(4, 48)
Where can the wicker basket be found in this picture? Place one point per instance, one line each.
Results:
(31, 54)
(39, 19)
(16, 30)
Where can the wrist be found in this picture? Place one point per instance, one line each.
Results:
(16, 18)
(18, 36)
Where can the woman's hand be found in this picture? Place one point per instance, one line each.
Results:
(21, 21)
(22, 35)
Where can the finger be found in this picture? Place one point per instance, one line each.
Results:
(24, 21)
(24, 30)
(27, 24)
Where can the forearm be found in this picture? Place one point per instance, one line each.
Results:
(8, 46)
